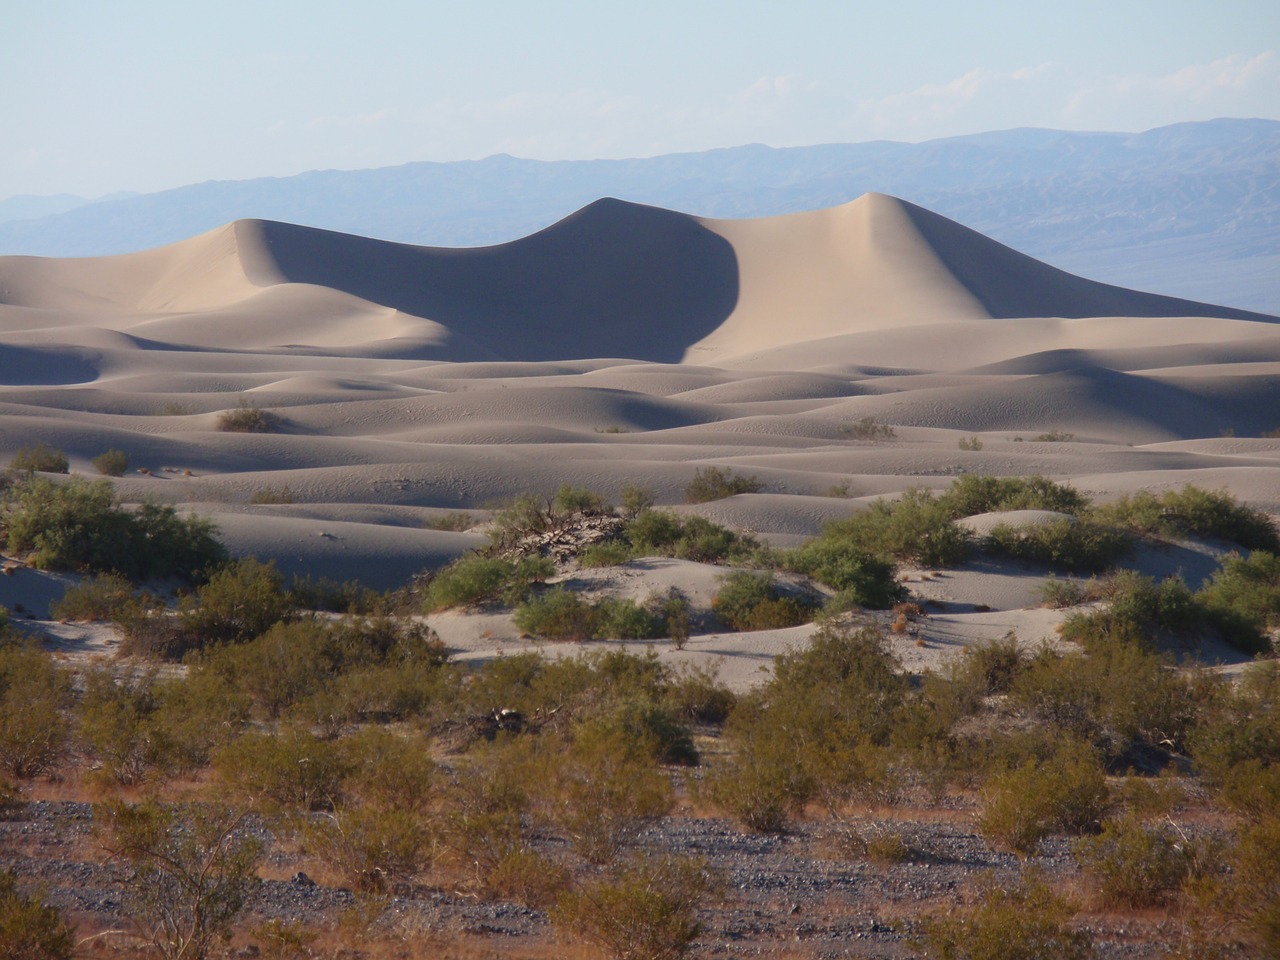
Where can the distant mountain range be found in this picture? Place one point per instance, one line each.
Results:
(1190, 210)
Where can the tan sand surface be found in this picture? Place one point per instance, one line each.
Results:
(626, 345)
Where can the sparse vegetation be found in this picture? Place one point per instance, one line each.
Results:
(247, 417)
(272, 495)
(716, 483)
(753, 601)
(29, 929)
(970, 443)
(40, 458)
(868, 428)
(112, 463)
(1056, 436)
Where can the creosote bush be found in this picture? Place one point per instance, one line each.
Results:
(34, 695)
(112, 463)
(1066, 793)
(647, 912)
(40, 458)
(78, 525)
(247, 417)
(716, 483)
(1133, 863)
(475, 579)
(29, 929)
(752, 601)
(868, 428)
(1193, 512)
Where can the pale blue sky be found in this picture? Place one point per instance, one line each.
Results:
(139, 95)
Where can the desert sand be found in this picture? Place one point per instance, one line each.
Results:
(627, 345)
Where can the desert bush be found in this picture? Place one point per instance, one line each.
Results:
(1138, 610)
(918, 527)
(384, 828)
(487, 803)
(1195, 512)
(1055, 436)
(291, 768)
(115, 724)
(989, 668)
(1132, 863)
(1075, 545)
(1239, 724)
(694, 694)
(820, 728)
(636, 500)
(1116, 697)
(474, 579)
(40, 458)
(323, 594)
(95, 598)
(1243, 598)
(868, 428)
(242, 600)
(648, 912)
(34, 695)
(271, 495)
(456, 522)
(192, 717)
(752, 601)
(247, 417)
(191, 871)
(29, 929)
(607, 553)
(558, 614)
(662, 533)
(716, 483)
(569, 500)
(1244, 897)
(1024, 922)
(970, 443)
(78, 526)
(1066, 794)
(600, 791)
(525, 515)
(621, 619)
(655, 728)
(860, 578)
(674, 611)
(1061, 594)
(972, 494)
(112, 463)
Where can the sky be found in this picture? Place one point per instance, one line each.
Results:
(135, 95)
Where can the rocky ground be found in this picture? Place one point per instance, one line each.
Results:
(802, 894)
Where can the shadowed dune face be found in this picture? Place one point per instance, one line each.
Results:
(612, 280)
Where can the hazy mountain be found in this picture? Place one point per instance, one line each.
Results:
(1190, 210)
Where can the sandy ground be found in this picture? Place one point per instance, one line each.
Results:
(410, 383)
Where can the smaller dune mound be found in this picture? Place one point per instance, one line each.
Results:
(982, 524)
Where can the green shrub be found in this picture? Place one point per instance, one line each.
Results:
(1243, 598)
(115, 721)
(654, 729)
(96, 598)
(570, 500)
(40, 458)
(1066, 794)
(112, 463)
(1195, 512)
(649, 912)
(1055, 436)
(1240, 724)
(1024, 922)
(620, 619)
(330, 596)
(558, 614)
(989, 668)
(1074, 545)
(241, 601)
(972, 494)
(1244, 898)
(918, 528)
(524, 516)
(970, 443)
(752, 601)
(191, 870)
(607, 553)
(860, 578)
(822, 728)
(1138, 610)
(29, 929)
(715, 483)
(696, 695)
(600, 791)
(1134, 864)
(271, 495)
(455, 522)
(475, 579)
(1061, 594)
(78, 526)
(636, 500)
(662, 533)
(291, 768)
(868, 428)
(247, 417)
(33, 725)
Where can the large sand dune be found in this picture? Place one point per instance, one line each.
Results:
(625, 344)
